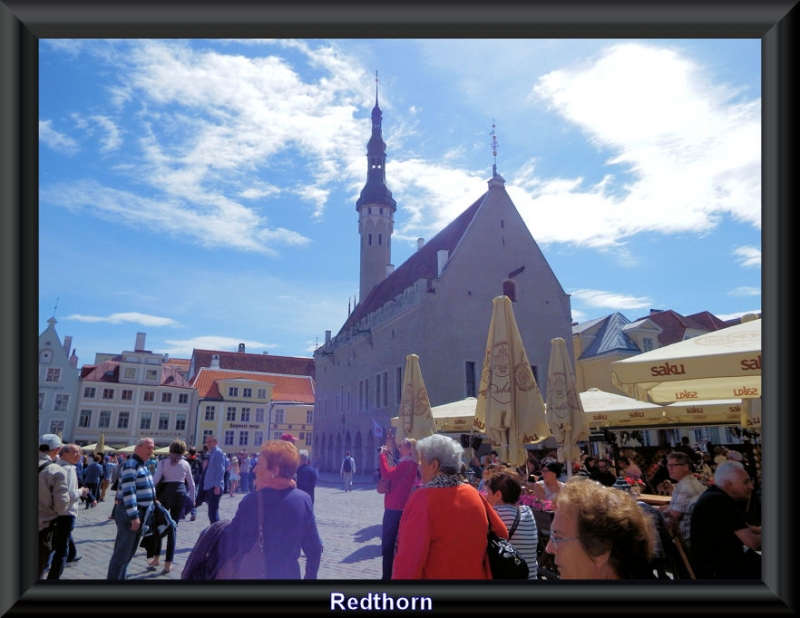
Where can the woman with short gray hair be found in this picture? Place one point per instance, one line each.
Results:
(444, 524)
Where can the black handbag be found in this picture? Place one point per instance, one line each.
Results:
(504, 559)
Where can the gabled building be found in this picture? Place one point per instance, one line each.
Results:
(131, 395)
(245, 361)
(59, 379)
(244, 408)
(437, 304)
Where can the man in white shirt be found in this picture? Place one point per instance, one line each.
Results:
(685, 493)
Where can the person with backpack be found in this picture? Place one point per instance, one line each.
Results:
(347, 470)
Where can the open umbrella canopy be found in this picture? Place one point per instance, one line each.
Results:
(97, 448)
(453, 417)
(127, 449)
(564, 410)
(610, 410)
(723, 364)
(414, 415)
(710, 412)
(510, 409)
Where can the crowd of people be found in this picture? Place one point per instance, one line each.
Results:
(435, 507)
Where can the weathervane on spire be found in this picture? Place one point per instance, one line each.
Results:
(495, 146)
(376, 87)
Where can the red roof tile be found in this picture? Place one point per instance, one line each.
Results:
(264, 363)
(294, 388)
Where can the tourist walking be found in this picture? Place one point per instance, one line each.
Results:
(174, 484)
(214, 477)
(287, 517)
(92, 477)
(443, 528)
(307, 476)
(233, 475)
(136, 492)
(347, 470)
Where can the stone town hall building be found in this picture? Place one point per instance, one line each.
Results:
(437, 305)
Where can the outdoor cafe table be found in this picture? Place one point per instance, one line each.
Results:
(654, 499)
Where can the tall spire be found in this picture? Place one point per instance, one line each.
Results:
(375, 190)
(495, 146)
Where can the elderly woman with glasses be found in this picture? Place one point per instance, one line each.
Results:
(402, 478)
(444, 524)
(600, 533)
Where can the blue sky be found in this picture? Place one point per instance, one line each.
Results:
(203, 192)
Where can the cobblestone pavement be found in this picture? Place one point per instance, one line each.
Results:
(348, 522)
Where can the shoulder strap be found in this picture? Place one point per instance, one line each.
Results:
(44, 465)
(514, 526)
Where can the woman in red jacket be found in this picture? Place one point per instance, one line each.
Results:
(444, 524)
(402, 477)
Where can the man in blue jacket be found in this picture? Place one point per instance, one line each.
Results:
(214, 477)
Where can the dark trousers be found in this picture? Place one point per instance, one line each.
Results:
(125, 544)
(391, 524)
(61, 536)
(45, 546)
(213, 505)
(171, 498)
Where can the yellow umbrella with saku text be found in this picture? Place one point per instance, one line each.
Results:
(414, 418)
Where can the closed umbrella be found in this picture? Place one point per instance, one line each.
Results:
(509, 410)
(101, 443)
(564, 412)
(414, 416)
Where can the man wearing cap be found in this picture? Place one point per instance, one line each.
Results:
(63, 546)
(53, 495)
(136, 493)
(288, 438)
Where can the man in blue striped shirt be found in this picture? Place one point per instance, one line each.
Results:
(136, 492)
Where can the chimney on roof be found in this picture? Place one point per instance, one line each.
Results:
(165, 358)
(652, 311)
(73, 360)
(420, 243)
(139, 342)
(67, 344)
(327, 336)
(441, 260)
(389, 269)
(241, 348)
(215, 361)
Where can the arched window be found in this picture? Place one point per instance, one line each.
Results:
(380, 239)
(369, 240)
(510, 289)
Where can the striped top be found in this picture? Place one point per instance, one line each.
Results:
(136, 489)
(526, 536)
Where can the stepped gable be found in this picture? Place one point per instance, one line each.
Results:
(421, 265)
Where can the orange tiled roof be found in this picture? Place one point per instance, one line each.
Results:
(264, 363)
(287, 387)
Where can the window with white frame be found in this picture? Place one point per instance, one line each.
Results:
(57, 426)
(243, 437)
(206, 433)
(53, 374)
(41, 400)
(260, 415)
(151, 375)
(211, 413)
(62, 402)
(276, 435)
(146, 420)
(104, 420)
(149, 396)
(261, 393)
(166, 397)
(309, 417)
(163, 421)
(180, 422)
(245, 416)
(130, 373)
(228, 439)
(247, 392)
(308, 438)
(85, 418)
(89, 392)
(183, 398)
(231, 414)
(233, 391)
(123, 419)
(647, 344)
(258, 438)
(108, 393)
(126, 395)
(279, 414)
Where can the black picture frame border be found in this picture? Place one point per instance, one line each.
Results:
(24, 22)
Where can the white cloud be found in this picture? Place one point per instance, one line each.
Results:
(56, 140)
(121, 318)
(610, 300)
(749, 257)
(745, 291)
(184, 347)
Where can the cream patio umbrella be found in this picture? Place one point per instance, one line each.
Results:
(709, 412)
(453, 417)
(723, 364)
(414, 415)
(609, 410)
(93, 448)
(564, 410)
(509, 410)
